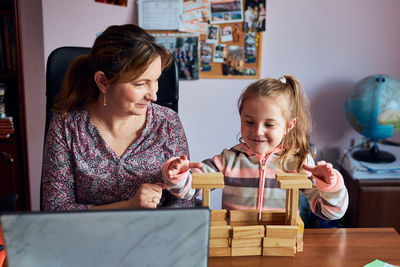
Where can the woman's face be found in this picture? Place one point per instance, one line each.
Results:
(134, 97)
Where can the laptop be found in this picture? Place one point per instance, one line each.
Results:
(161, 237)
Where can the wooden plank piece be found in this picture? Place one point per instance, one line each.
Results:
(220, 231)
(291, 184)
(249, 251)
(253, 231)
(280, 251)
(206, 198)
(281, 231)
(243, 215)
(290, 176)
(207, 180)
(219, 252)
(248, 242)
(218, 242)
(219, 215)
(279, 241)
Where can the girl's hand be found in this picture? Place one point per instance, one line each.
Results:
(323, 171)
(181, 165)
(148, 196)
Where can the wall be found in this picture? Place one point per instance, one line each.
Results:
(327, 45)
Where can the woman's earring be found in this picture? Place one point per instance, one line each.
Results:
(104, 100)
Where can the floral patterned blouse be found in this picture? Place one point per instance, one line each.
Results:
(81, 170)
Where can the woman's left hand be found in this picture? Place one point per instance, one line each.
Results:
(323, 171)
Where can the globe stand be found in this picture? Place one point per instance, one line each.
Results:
(374, 155)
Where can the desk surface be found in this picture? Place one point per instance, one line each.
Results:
(331, 247)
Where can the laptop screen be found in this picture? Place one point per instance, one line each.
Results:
(162, 237)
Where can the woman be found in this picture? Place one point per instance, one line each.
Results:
(106, 146)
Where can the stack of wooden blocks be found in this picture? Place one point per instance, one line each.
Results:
(241, 233)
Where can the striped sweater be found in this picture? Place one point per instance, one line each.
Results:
(244, 174)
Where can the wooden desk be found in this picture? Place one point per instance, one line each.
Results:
(331, 247)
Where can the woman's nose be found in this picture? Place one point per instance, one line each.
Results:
(152, 91)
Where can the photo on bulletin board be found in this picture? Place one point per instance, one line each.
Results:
(184, 48)
(255, 15)
(113, 2)
(233, 60)
(212, 34)
(226, 11)
(226, 34)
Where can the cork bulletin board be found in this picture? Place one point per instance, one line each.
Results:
(227, 45)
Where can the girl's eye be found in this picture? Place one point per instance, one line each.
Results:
(249, 122)
(269, 125)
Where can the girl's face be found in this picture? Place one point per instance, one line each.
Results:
(263, 124)
(134, 97)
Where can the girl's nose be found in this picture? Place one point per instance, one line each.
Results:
(260, 130)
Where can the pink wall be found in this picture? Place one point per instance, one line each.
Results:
(327, 45)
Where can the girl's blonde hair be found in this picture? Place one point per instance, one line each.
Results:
(122, 52)
(296, 143)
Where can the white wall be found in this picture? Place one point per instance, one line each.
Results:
(327, 45)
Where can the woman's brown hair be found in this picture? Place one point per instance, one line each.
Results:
(296, 143)
(122, 52)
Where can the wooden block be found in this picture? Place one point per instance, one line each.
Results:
(299, 242)
(207, 180)
(252, 231)
(272, 217)
(249, 251)
(220, 231)
(289, 200)
(280, 251)
(295, 207)
(243, 215)
(290, 176)
(249, 242)
(279, 242)
(244, 223)
(299, 247)
(218, 215)
(300, 224)
(219, 252)
(281, 231)
(206, 198)
(218, 223)
(218, 242)
(291, 184)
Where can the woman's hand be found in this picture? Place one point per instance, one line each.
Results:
(181, 165)
(148, 196)
(323, 171)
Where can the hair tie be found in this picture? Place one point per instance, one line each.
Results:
(282, 79)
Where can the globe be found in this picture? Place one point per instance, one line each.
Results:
(373, 110)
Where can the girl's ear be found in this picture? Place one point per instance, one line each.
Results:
(291, 125)
(101, 81)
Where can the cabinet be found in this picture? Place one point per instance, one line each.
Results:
(13, 147)
(373, 202)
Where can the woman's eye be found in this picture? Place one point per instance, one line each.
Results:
(269, 125)
(139, 84)
(249, 122)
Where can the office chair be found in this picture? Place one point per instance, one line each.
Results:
(7, 202)
(60, 59)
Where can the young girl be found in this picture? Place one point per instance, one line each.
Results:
(275, 129)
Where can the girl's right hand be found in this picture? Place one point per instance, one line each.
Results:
(148, 196)
(181, 165)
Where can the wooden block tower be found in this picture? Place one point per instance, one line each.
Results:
(241, 233)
